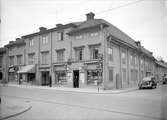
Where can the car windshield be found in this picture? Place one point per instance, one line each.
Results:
(147, 79)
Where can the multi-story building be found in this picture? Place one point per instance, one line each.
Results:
(3, 65)
(82, 54)
(16, 58)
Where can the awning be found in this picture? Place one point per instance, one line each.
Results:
(11, 70)
(27, 69)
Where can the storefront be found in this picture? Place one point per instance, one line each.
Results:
(26, 74)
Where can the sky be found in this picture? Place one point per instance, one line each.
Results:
(142, 20)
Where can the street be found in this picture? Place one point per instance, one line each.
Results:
(146, 104)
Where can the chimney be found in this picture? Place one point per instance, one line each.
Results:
(10, 42)
(42, 29)
(58, 25)
(138, 43)
(90, 16)
(17, 39)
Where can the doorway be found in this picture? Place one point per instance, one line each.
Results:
(76, 78)
(45, 78)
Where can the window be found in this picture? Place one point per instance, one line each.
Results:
(44, 39)
(1, 61)
(110, 51)
(142, 63)
(123, 56)
(132, 60)
(60, 36)
(135, 60)
(94, 34)
(61, 77)
(78, 54)
(124, 74)
(79, 37)
(11, 60)
(92, 77)
(94, 52)
(60, 55)
(19, 59)
(111, 74)
(45, 57)
(31, 58)
(31, 42)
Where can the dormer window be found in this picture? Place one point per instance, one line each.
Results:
(78, 37)
(31, 42)
(94, 34)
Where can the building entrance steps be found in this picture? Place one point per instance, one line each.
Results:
(92, 90)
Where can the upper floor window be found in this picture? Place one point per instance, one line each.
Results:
(31, 58)
(142, 63)
(45, 57)
(31, 42)
(132, 59)
(123, 56)
(110, 51)
(60, 55)
(94, 34)
(11, 60)
(94, 52)
(45, 39)
(19, 59)
(1, 61)
(60, 36)
(135, 60)
(78, 37)
(78, 54)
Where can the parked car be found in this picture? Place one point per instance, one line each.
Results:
(164, 80)
(148, 82)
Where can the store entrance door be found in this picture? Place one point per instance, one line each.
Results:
(76, 78)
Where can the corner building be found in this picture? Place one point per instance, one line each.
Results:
(89, 53)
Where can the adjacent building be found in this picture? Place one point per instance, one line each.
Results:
(89, 53)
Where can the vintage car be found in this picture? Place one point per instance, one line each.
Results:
(148, 82)
(164, 80)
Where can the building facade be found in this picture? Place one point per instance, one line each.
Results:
(90, 53)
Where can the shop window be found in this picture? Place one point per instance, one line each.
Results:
(92, 76)
(61, 77)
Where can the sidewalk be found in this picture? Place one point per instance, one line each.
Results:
(10, 108)
(93, 90)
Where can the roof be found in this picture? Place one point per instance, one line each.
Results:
(16, 43)
(161, 64)
(146, 52)
(87, 25)
(50, 30)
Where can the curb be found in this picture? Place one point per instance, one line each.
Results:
(81, 91)
(16, 114)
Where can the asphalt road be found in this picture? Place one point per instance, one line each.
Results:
(147, 104)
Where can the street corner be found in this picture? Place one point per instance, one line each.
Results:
(10, 109)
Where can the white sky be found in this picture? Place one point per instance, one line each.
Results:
(144, 21)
